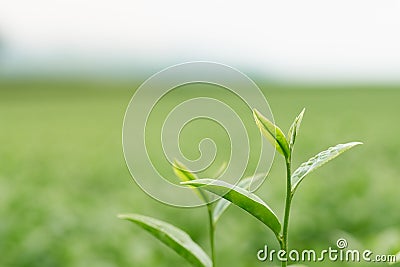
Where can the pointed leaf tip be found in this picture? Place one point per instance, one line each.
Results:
(294, 129)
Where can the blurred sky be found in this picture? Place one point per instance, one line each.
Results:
(309, 40)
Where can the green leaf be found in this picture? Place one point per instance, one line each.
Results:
(223, 204)
(181, 171)
(292, 134)
(242, 198)
(173, 237)
(273, 133)
(317, 161)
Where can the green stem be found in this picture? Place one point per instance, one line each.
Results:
(284, 243)
(212, 230)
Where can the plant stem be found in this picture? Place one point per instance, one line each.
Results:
(212, 230)
(284, 244)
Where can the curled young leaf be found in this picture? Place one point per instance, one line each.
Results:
(317, 161)
(294, 129)
(173, 237)
(273, 133)
(182, 172)
(241, 198)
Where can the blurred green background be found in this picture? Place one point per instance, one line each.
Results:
(63, 178)
(68, 69)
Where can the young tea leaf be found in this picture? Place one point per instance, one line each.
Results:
(181, 171)
(241, 198)
(223, 204)
(173, 237)
(292, 134)
(317, 161)
(273, 133)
